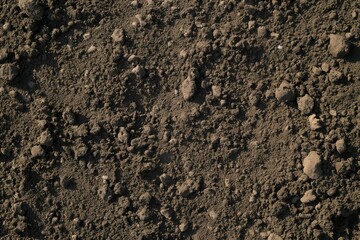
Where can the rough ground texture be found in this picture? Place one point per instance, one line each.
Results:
(169, 119)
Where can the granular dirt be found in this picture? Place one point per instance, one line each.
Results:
(169, 119)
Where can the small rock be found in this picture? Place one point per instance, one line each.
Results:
(123, 135)
(305, 104)
(315, 123)
(316, 71)
(188, 88)
(118, 36)
(285, 92)
(308, 197)
(216, 90)
(139, 71)
(340, 146)
(37, 151)
(91, 49)
(325, 67)
(332, 191)
(166, 213)
(335, 76)
(184, 226)
(8, 71)
(145, 199)
(312, 165)
(213, 214)
(262, 32)
(343, 167)
(144, 214)
(104, 192)
(274, 236)
(338, 46)
(32, 8)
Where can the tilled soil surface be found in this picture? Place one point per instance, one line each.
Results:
(179, 119)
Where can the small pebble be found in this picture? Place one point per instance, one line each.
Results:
(139, 71)
(308, 197)
(325, 67)
(188, 89)
(91, 49)
(312, 165)
(335, 76)
(123, 135)
(340, 146)
(338, 46)
(305, 104)
(315, 122)
(37, 151)
(216, 90)
(118, 36)
(274, 236)
(144, 214)
(183, 227)
(262, 32)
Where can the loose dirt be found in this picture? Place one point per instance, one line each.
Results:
(169, 119)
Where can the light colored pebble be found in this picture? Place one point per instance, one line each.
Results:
(315, 122)
(312, 165)
(340, 146)
(308, 197)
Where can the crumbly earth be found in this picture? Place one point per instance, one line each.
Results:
(169, 119)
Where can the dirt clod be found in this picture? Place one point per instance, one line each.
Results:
(32, 8)
(312, 165)
(118, 36)
(285, 92)
(8, 72)
(338, 46)
(309, 197)
(37, 151)
(315, 122)
(306, 104)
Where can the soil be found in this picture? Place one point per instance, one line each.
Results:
(168, 119)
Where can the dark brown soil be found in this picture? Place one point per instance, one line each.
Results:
(178, 119)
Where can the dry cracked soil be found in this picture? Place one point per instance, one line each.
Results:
(180, 119)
